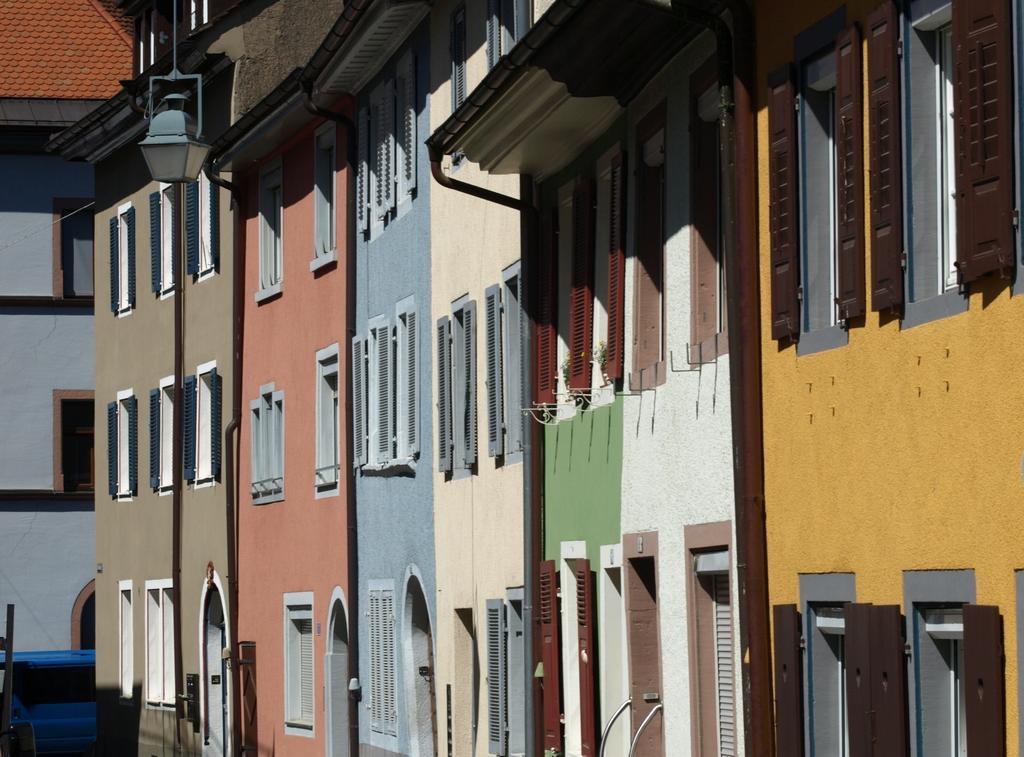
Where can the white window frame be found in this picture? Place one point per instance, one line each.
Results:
(204, 421)
(830, 621)
(325, 241)
(298, 606)
(946, 625)
(271, 200)
(404, 452)
(126, 638)
(200, 13)
(124, 485)
(165, 697)
(206, 263)
(513, 400)
(166, 434)
(562, 294)
(328, 363)
(124, 305)
(152, 37)
(458, 382)
(167, 272)
(946, 157)
(267, 417)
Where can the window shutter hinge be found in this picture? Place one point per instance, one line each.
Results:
(903, 260)
(796, 103)
(1016, 218)
(899, 48)
(800, 294)
(803, 642)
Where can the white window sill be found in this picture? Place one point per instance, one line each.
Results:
(266, 499)
(271, 291)
(166, 490)
(322, 260)
(166, 294)
(296, 728)
(207, 273)
(204, 483)
(397, 467)
(125, 311)
(124, 497)
(166, 706)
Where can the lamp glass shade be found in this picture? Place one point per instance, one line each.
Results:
(171, 148)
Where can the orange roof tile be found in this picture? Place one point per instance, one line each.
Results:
(62, 49)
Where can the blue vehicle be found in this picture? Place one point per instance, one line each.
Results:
(56, 693)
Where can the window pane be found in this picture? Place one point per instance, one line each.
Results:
(76, 253)
(77, 444)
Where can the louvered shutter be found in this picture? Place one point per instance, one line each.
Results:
(983, 94)
(376, 666)
(112, 449)
(412, 406)
(215, 413)
(497, 672)
(789, 700)
(192, 228)
(250, 710)
(469, 371)
(115, 266)
(886, 151)
(362, 170)
(407, 144)
(188, 456)
(154, 242)
(382, 388)
(129, 218)
(984, 683)
(512, 359)
(547, 310)
(358, 401)
(550, 656)
(390, 170)
(782, 188)
(725, 676)
(857, 650)
(132, 406)
(213, 201)
(444, 396)
(493, 32)
(616, 268)
(389, 661)
(493, 353)
(581, 296)
(888, 682)
(305, 629)
(457, 50)
(850, 173)
(154, 438)
(587, 656)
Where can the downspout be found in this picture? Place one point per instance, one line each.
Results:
(177, 428)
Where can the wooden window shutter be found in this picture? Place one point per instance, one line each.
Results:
(493, 32)
(412, 407)
(192, 228)
(983, 97)
(457, 51)
(250, 710)
(213, 206)
(362, 170)
(376, 664)
(358, 402)
(495, 373)
(857, 651)
(188, 457)
(725, 675)
(885, 133)
(581, 297)
(497, 706)
(547, 310)
(469, 368)
(390, 656)
(215, 411)
(130, 223)
(132, 404)
(706, 236)
(154, 242)
(407, 127)
(115, 265)
(588, 656)
(984, 682)
(444, 395)
(789, 697)
(888, 682)
(849, 129)
(616, 267)
(389, 171)
(112, 449)
(154, 438)
(551, 656)
(383, 387)
(782, 189)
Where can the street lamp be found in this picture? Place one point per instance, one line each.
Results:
(172, 148)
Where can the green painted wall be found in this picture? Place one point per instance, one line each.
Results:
(583, 481)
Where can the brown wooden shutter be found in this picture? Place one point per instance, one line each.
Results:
(706, 235)
(547, 310)
(857, 618)
(888, 682)
(588, 656)
(789, 696)
(550, 656)
(616, 267)
(782, 188)
(247, 673)
(984, 683)
(983, 97)
(581, 296)
(885, 158)
(850, 173)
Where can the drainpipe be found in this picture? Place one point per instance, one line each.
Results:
(178, 427)
(531, 447)
(743, 312)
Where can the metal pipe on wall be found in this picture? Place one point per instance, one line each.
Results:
(178, 427)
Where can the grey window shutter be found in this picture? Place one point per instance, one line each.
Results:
(379, 137)
(362, 170)
(406, 95)
(383, 388)
(493, 32)
(188, 456)
(457, 51)
(154, 438)
(497, 716)
(444, 397)
(376, 666)
(214, 206)
(112, 449)
(469, 368)
(133, 445)
(390, 147)
(215, 411)
(130, 222)
(412, 408)
(192, 228)
(390, 657)
(495, 394)
(115, 265)
(154, 241)
(512, 316)
(358, 401)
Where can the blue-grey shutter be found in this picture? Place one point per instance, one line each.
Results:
(444, 397)
(154, 241)
(112, 448)
(214, 206)
(469, 368)
(115, 265)
(154, 438)
(133, 445)
(188, 456)
(358, 402)
(497, 716)
(215, 411)
(385, 386)
(412, 406)
(192, 228)
(493, 32)
(495, 394)
(130, 222)
(362, 170)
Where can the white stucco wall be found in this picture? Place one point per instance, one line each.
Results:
(677, 467)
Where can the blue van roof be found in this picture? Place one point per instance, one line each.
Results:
(54, 658)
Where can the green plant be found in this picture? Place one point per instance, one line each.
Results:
(601, 355)
(566, 366)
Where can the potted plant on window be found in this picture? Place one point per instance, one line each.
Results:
(600, 358)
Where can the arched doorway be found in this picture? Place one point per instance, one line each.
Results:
(83, 618)
(419, 675)
(215, 671)
(336, 682)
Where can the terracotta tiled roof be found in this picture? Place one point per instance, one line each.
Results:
(62, 49)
